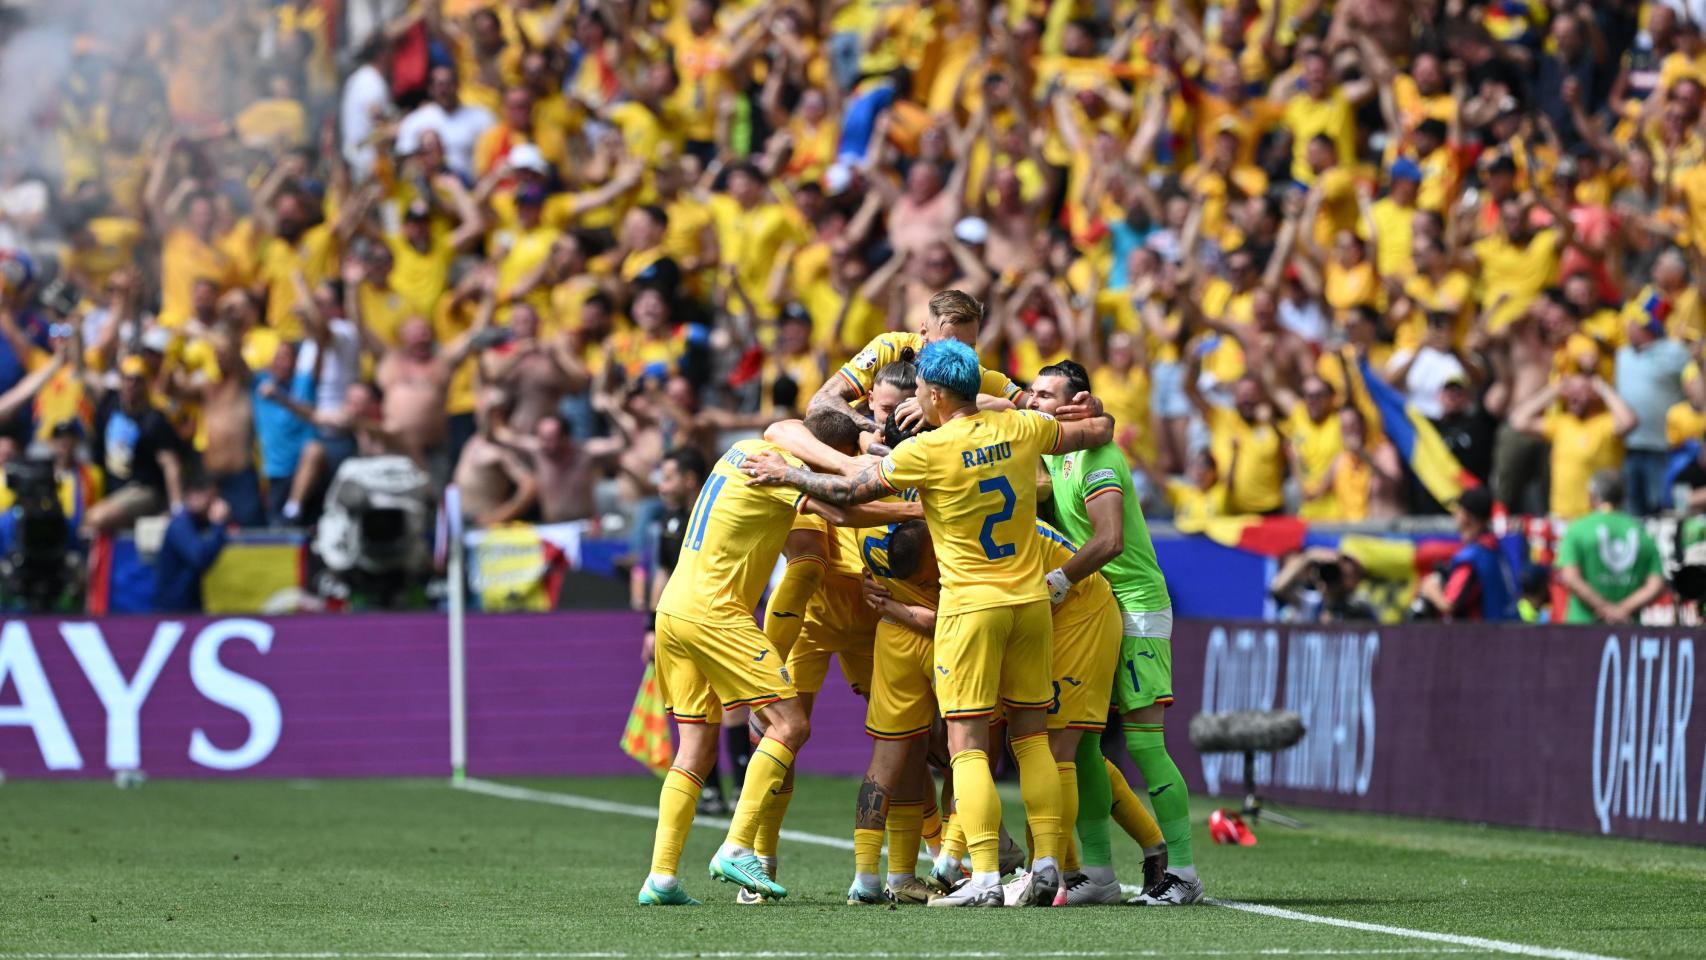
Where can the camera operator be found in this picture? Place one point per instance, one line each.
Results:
(1319, 585)
(1479, 583)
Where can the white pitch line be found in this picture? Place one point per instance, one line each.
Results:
(744, 954)
(1479, 943)
(1485, 944)
(576, 802)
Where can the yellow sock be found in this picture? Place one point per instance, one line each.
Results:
(905, 823)
(676, 803)
(1068, 814)
(867, 851)
(1130, 813)
(769, 766)
(787, 609)
(930, 828)
(954, 838)
(1039, 785)
(977, 808)
(770, 822)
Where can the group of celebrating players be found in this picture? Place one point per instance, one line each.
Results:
(906, 505)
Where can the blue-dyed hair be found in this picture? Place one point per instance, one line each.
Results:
(953, 365)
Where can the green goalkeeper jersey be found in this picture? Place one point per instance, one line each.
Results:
(1085, 475)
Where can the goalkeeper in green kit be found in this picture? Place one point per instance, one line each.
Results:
(1095, 506)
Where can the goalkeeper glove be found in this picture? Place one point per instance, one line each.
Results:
(1058, 585)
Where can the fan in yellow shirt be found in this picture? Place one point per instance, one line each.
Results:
(190, 252)
(1586, 434)
(1244, 437)
(1518, 262)
(751, 230)
(299, 248)
(1312, 431)
(1322, 110)
(1392, 219)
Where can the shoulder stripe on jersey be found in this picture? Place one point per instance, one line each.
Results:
(850, 380)
(1095, 492)
(1048, 534)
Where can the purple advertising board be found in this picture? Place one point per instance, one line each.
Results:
(1568, 728)
(1581, 729)
(330, 696)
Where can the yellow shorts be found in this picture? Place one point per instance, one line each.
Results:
(995, 656)
(704, 667)
(837, 622)
(1086, 653)
(903, 701)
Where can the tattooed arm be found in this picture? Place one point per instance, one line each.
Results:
(769, 469)
(833, 395)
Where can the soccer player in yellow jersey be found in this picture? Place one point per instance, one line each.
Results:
(953, 316)
(903, 585)
(1086, 653)
(976, 473)
(710, 654)
(829, 618)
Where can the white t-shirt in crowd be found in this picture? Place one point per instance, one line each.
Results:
(1430, 373)
(459, 131)
(342, 366)
(365, 93)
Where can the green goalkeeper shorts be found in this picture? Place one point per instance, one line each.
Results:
(1145, 674)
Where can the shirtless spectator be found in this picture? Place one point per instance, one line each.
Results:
(926, 211)
(567, 472)
(229, 416)
(531, 372)
(496, 484)
(415, 377)
(1523, 358)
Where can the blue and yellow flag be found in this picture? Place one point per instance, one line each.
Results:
(1417, 441)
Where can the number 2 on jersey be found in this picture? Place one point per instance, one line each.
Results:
(991, 549)
(702, 512)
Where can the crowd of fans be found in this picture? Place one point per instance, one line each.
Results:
(533, 245)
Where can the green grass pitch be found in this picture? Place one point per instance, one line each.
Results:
(369, 869)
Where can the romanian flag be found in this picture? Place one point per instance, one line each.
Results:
(1268, 536)
(1394, 558)
(1417, 441)
(646, 738)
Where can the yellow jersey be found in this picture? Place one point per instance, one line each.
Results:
(184, 259)
(421, 276)
(1090, 593)
(1520, 273)
(1318, 445)
(922, 589)
(733, 537)
(314, 255)
(861, 371)
(977, 477)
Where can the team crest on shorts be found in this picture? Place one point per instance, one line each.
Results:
(783, 670)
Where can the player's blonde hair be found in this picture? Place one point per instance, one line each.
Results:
(956, 307)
